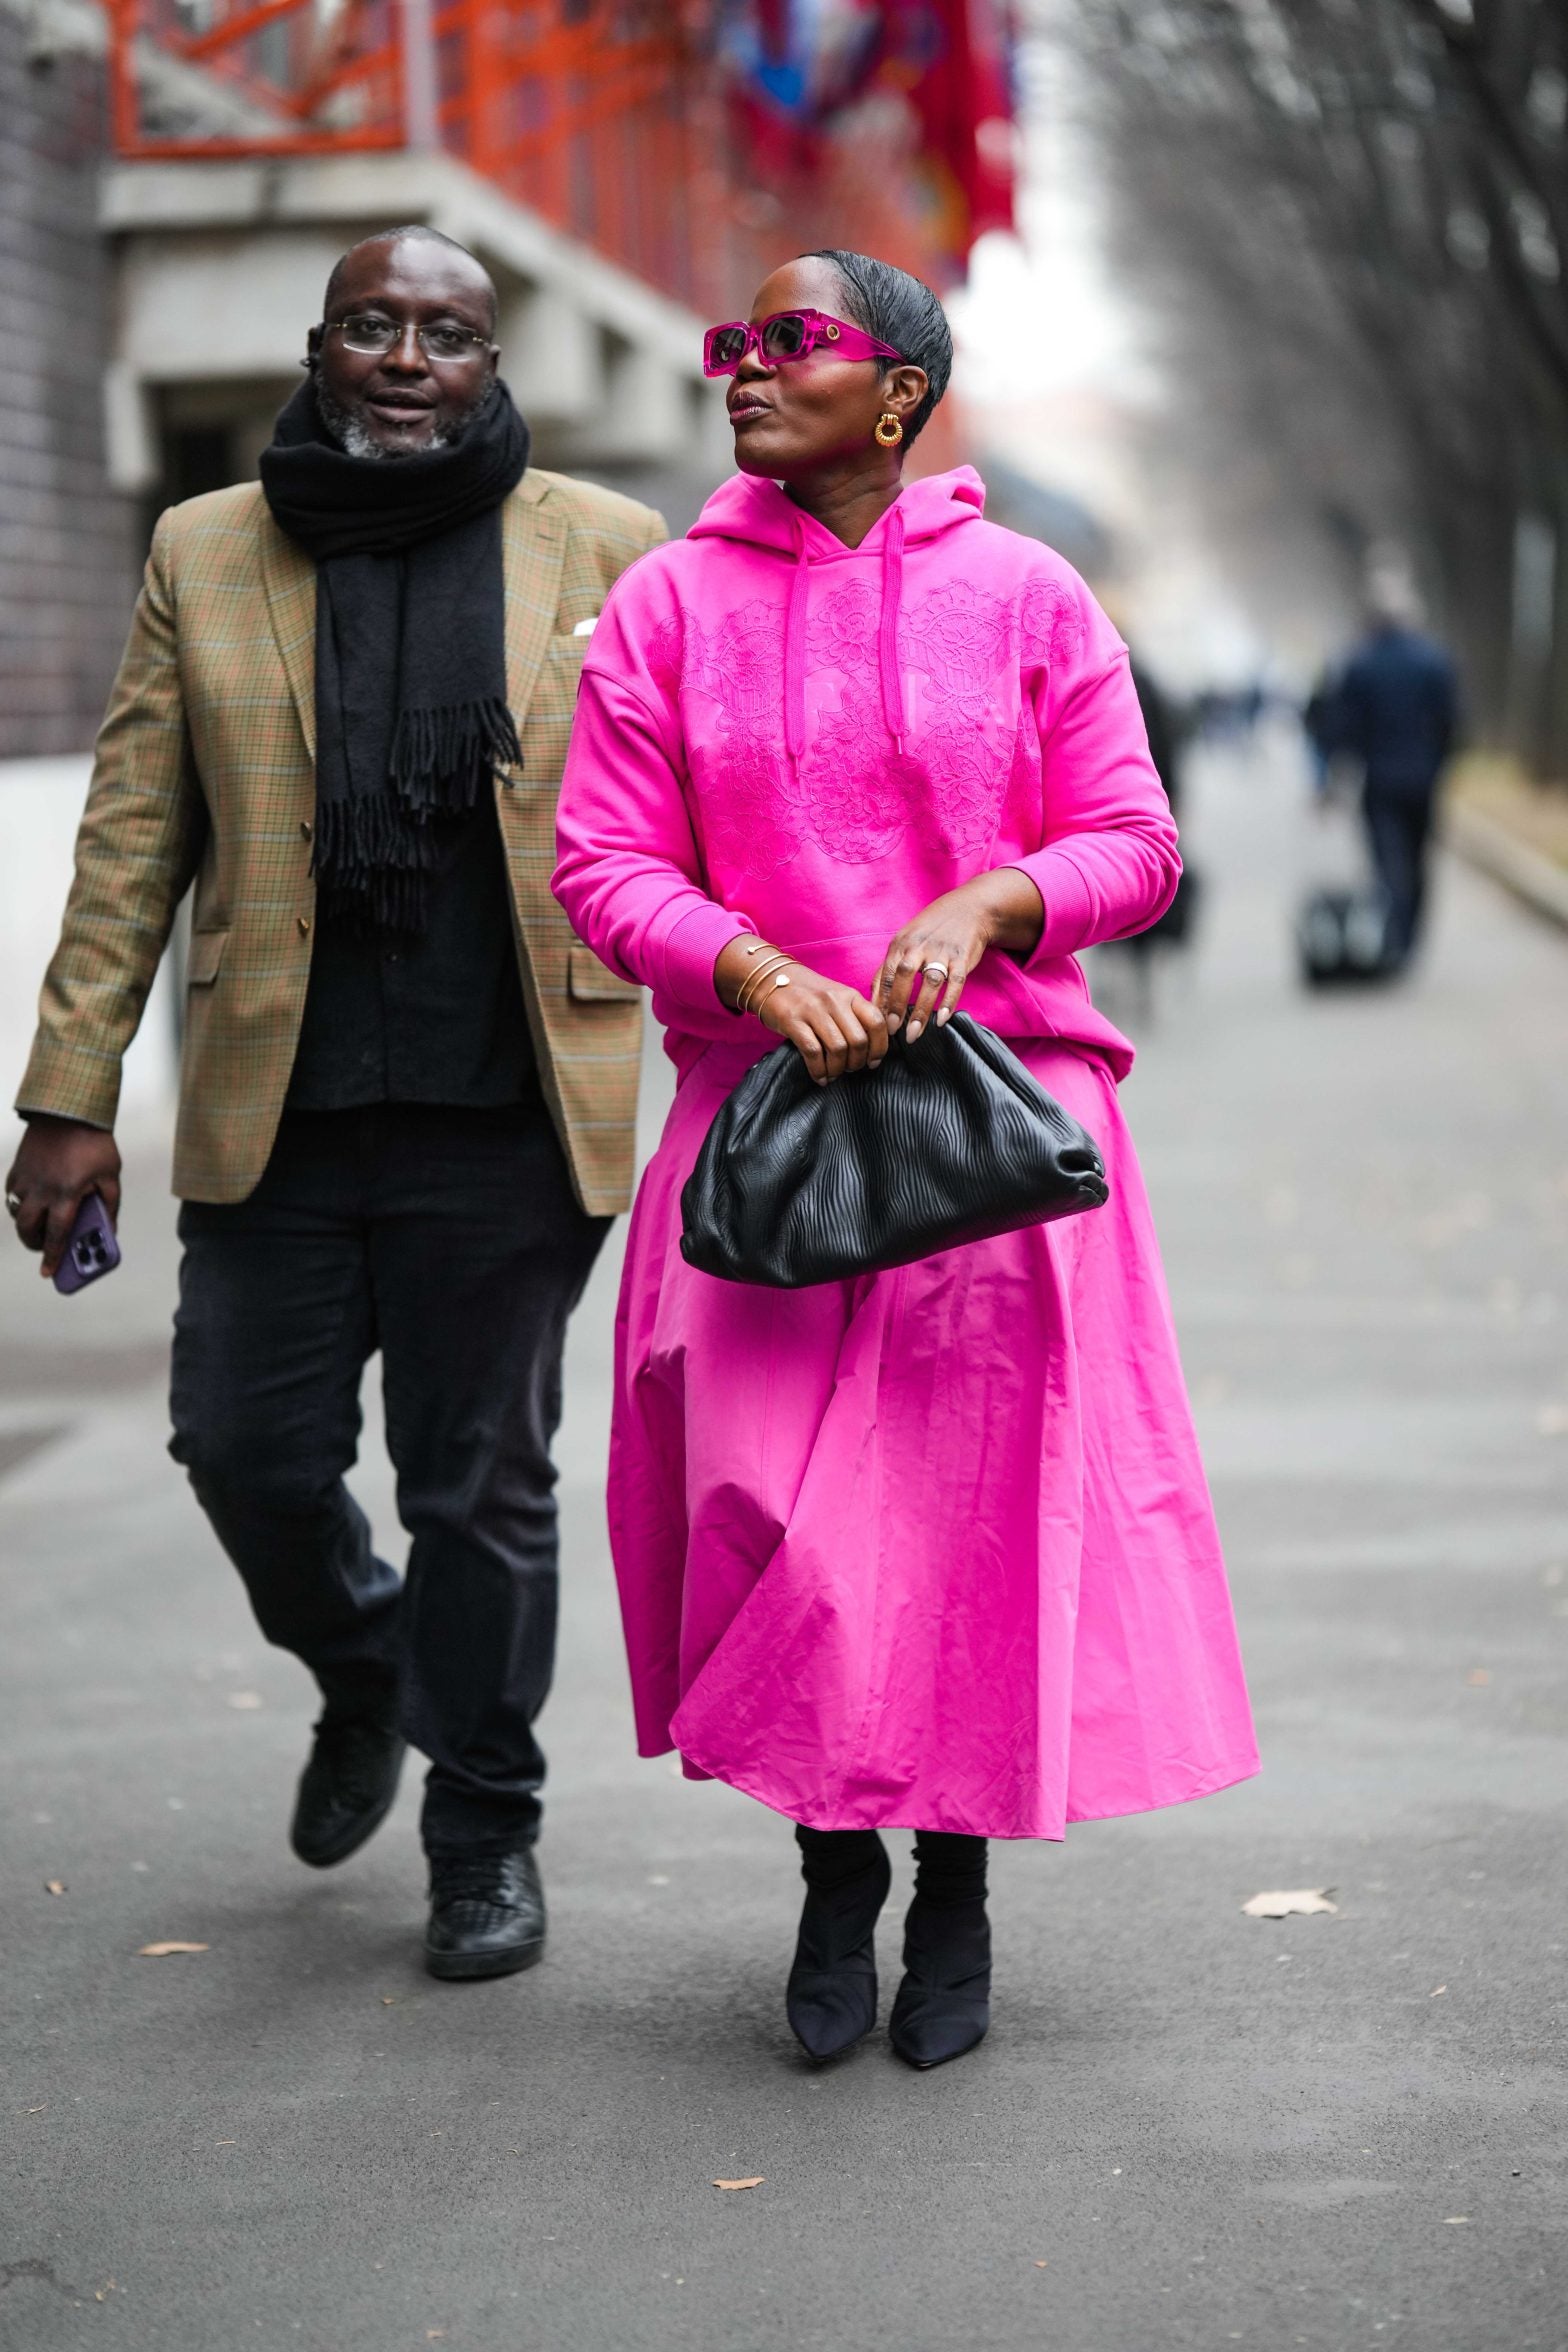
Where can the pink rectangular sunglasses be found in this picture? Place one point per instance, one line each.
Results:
(788, 334)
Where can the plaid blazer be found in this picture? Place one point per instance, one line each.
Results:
(205, 770)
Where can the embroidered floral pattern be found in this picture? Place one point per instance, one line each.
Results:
(862, 794)
(965, 784)
(666, 653)
(1050, 624)
(960, 638)
(842, 634)
(855, 795)
(752, 811)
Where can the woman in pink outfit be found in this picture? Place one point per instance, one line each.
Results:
(932, 1547)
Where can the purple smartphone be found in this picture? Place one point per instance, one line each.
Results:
(92, 1250)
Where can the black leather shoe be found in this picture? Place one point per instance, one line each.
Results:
(347, 1789)
(943, 2006)
(486, 1914)
(831, 1997)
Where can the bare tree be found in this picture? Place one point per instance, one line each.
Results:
(1352, 217)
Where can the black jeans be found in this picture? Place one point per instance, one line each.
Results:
(451, 1241)
(1399, 825)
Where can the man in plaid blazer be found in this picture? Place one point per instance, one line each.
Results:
(413, 1151)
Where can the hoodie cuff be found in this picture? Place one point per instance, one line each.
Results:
(1068, 903)
(690, 949)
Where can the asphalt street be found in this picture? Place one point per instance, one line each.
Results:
(1189, 2128)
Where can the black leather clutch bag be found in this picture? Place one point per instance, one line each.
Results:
(951, 1140)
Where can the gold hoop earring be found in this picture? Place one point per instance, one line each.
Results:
(889, 430)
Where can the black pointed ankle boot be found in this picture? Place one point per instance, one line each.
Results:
(943, 2006)
(831, 1997)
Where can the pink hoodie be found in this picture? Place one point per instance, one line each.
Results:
(781, 734)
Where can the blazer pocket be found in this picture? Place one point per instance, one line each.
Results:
(590, 982)
(205, 957)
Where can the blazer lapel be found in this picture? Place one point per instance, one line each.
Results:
(533, 549)
(290, 579)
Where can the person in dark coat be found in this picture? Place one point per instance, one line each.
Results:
(1399, 716)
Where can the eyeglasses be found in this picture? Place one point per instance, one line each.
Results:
(787, 335)
(367, 331)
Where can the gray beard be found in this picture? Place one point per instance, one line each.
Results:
(354, 437)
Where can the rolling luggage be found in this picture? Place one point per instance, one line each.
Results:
(1341, 938)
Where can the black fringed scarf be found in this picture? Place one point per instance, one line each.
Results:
(411, 711)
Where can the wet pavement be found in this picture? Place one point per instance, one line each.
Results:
(1188, 2129)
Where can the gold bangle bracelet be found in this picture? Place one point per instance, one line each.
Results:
(768, 957)
(753, 984)
(763, 954)
(745, 1003)
(754, 947)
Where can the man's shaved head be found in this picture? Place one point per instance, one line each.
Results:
(402, 235)
(430, 367)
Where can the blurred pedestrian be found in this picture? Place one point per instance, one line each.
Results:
(1163, 723)
(1320, 725)
(1397, 715)
(929, 1548)
(407, 1101)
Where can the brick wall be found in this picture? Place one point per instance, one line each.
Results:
(69, 546)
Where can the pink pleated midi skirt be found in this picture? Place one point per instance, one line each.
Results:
(933, 1548)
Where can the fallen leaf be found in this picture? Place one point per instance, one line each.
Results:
(1478, 1677)
(1454, 2219)
(1436, 1989)
(1042, 2266)
(434, 2335)
(1552, 1420)
(161, 1951)
(389, 2000)
(54, 1886)
(225, 2143)
(755, 2182)
(1294, 1899)
(246, 1701)
(35, 2110)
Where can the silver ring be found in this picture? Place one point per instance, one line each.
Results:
(929, 969)
(13, 1204)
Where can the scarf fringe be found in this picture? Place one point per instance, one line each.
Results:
(442, 759)
(372, 865)
(374, 855)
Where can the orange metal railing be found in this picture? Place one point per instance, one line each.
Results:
(608, 117)
(601, 116)
(291, 77)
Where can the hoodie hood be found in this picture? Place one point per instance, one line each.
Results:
(758, 513)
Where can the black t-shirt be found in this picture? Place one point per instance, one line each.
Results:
(438, 1019)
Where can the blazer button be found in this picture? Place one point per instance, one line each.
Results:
(304, 926)
(307, 829)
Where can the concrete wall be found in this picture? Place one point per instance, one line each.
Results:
(40, 804)
(220, 271)
(69, 544)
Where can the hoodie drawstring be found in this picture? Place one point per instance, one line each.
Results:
(795, 655)
(887, 634)
(887, 640)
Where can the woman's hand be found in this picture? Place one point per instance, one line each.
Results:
(932, 957)
(833, 1028)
